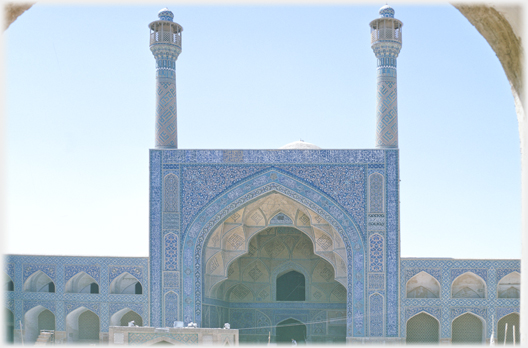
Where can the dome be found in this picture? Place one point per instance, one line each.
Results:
(165, 15)
(300, 145)
(386, 11)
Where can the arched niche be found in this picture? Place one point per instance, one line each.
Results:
(39, 282)
(9, 285)
(276, 251)
(231, 238)
(423, 285)
(467, 328)
(240, 293)
(82, 326)
(468, 285)
(509, 286)
(422, 328)
(290, 329)
(82, 283)
(510, 320)
(124, 316)
(126, 283)
(36, 319)
(207, 225)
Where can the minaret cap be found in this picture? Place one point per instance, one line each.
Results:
(165, 15)
(386, 11)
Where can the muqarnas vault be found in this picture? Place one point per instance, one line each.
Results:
(298, 242)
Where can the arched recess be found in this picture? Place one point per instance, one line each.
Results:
(9, 326)
(512, 320)
(422, 328)
(9, 285)
(509, 286)
(171, 193)
(467, 329)
(468, 285)
(126, 283)
(36, 319)
(244, 195)
(82, 283)
(39, 282)
(290, 329)
(291, 286)
(124, 316)
(423, 285)
(82, 326)
(232, 239)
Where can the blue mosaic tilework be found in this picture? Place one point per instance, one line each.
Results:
(171, 193)
(166, 53)
(31, 304)
(275, 157)
(115, 271)
(376, 253)
(376, 315)
(504, 311)
(93, 306)
(171, 308)
(155, 250)
(434, 272)
(376, 281)
(445, 271)
(171, 280)
(61, 303)
(456, 312)
(71, 270)
(141, 338)
(483, 273)
(392, 198)
(412, 311)
(171, 252)
(29, 269)
(188, 257)
(9, 268)
(345, 184)
(502, 272)
(139, 308)
(202, 183)
(376, 193)
(171, 222)
(387, 114)
(236, 174)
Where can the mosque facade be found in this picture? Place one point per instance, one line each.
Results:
(298, 242)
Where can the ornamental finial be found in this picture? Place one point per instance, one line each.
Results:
(165, 15)
(386, 11)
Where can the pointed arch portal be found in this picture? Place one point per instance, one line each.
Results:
(338, 242)
(291, 329)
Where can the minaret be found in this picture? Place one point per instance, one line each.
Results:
(165, 44)
(386, 42)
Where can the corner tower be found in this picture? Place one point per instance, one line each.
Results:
(386, 42)
(165, 44)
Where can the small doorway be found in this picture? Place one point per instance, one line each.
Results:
(291, 329)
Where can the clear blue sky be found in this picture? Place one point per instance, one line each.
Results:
(80, 117)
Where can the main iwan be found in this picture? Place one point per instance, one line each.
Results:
(296, 243)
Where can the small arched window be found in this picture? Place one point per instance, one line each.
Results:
(291, 287)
